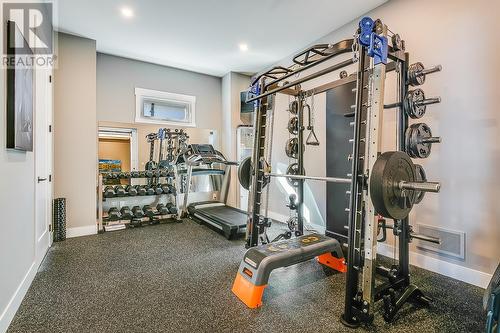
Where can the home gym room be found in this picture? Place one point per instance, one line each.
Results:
(264, 166)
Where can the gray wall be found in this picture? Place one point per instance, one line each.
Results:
(468, 119)
(17, 204)
(75, 132)
(118, 77)
(232, 85)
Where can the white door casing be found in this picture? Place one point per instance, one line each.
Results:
(43, 161)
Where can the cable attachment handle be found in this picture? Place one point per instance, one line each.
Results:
(312, 139)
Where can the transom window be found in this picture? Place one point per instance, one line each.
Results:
(158, 107)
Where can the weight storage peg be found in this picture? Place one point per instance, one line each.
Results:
(417, 73)
(419, 140)
(415, 103)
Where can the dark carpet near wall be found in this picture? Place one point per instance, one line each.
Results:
(177, 278)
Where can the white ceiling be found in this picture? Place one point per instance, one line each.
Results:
(203, 35)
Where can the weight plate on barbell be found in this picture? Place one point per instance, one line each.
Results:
(293, 107)
(415, 134)
(413, 78)
(420, 177)
(293, 125)
(411, 103)
(245, 172)
(389, 170)
(292, 148)
(293, 169)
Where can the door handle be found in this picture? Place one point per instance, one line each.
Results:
(41, 179)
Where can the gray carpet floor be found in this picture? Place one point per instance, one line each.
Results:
(178, 277)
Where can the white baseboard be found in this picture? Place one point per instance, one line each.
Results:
(81, 231)
(14, 303)
(462, 273)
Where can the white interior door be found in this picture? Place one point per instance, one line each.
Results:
(43, 161)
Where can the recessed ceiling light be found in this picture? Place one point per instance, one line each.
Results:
(243, 47)
(127, 12)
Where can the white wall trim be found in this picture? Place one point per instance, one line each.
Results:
(16, 299)
(458, 272)
(81, 231)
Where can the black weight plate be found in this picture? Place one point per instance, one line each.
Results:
(293, 107)
(413, 70)
(388, 171)
(411, 104)
(293, 169)
(292, 148)
(420, 177)
(415, 134)
(245, 172)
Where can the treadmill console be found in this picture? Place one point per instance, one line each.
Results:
(204, 150)
(203, 153)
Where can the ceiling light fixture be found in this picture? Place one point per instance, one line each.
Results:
(127, 12)
(243, 47)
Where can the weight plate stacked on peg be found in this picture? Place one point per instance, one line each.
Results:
(417, 73)
(293, 107)
(292, 148)
(412, 105)
(419, 140)
(293, 125)
(293, 169)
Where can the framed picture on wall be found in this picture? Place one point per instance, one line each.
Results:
(20, 102)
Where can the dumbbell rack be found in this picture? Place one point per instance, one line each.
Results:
(103, 220)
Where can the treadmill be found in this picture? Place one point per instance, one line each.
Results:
(202, 159)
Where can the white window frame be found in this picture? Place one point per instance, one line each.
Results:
(141, 94)
(118, 132)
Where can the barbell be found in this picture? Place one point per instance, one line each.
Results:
(395, 184)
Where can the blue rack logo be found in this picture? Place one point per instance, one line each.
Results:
(28, 34)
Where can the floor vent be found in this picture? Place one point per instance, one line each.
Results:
(452, 242)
